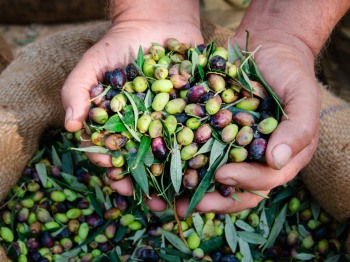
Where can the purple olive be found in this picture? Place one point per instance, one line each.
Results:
(32, 244)
(116, 78)
(112, 93)
(257, 148)
(221, 119)
(94, 220)
(190, 178)
(243, 119)
(195, 110)
(47, 240)
(95, 91)
(198, 162)
(226, 190)
(217, 63)
(159, 148)
(202, 134)
(131, 72)
(206, 97)
(195, 93)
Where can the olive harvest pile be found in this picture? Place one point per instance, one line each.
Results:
(63, 209)
(178, 113)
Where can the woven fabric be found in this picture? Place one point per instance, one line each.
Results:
(5, 53)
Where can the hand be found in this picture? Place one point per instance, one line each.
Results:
(113, 51)
(288, 67)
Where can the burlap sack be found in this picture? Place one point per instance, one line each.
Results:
(5, 53)
(30, 103)
(52, 11)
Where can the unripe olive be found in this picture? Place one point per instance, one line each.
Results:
(164, 60)
(58, 196)
(212, 106)
(161, 73)
(195, 93)
(267, 126)
(98, 138)
(216, 83)
(83, 231)
(198, 162)
(136, 225)
(33, 186)
(23, 214)
(62, 218)
(229, 133)
(202, 60)
(221, 51)
(193, 241)
(127, 219)
(140, 84)
(251, 104)
(185, 136)
(110, 231)
(101, 238)
(171, 124)
(233, 71)
(43, 215)
(186, 69)
(157, 52)
(323, 246)
(98, 115)
(183, 94)
(73, 213)
(115, 141)
(6, 234)
(162, 86)
(308, 242)
(193, 123)
(172, 43)
(195, 110)
(112, 213)
(243, 119)
(175, 106)
(257, 148)
(202, 134)
(66, 243)
(187, 152)
(28, 202)
(293, 237)
(159, 101)
(221, 119)
(143, 123)
(148, 67)
(6, 217)
(155, 129)
(306, 214)
(198, 253)
(229, 96)
(190, 178)
(253, 219)
(238, 154)
(294, 204)
(118, 161)
(244, 136)
(156, 169)
(118, 102)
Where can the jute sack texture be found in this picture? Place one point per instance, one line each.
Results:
(5, 53)
(30, 103)
(51, 11)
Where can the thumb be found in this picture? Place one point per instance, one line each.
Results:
(76, 90)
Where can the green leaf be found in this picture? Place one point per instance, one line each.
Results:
(176, 242)
(67, 159)
(258, 193)
(335, 258)
(132, 132)
(303, 231)
(245, 250)
(41, 169)
(276, 228)
(92, 149)
(128, 116)
(148, 99)
(315, 209)
(202, 187)
(176, 167)
(235, 110)
(141, 151)
(134, 107)
(210, 48)
(212, 244)
(251, 237)
(95, 204)
(140, 176)
(114, 257)
(206, 147)
(37, 157)
(231, 54)
(216, 151)
(55, 158)
(167, 257)
(194, 60)
(72, 181)
(120, 234)
(263, 224)
(175, 252)
(114, 124)
(102, 94)
(244, 225)
(198, 223)
(138, 235)
(283, 194)
(149, 157)
(201, 72)
(305, 256)
(98, 193)
(140, 60)
(230, 233)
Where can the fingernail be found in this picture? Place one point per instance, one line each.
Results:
(69, 114)
(281, 155)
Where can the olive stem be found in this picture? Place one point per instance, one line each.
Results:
(234, 103)
(203, 118)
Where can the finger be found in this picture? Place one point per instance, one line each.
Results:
(258, 176)
(123, 186)
(297, 131)
(155, 203)
(76, 90)
(214, 202)
(98, 159)
(182, 206)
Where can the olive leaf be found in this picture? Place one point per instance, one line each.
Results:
(134, 107)
(276, 228)
(198, 223)
(41, 170)
(67, 159)
(244, 225)
(231, 54)
(176, 167)
(206, 147)
(263, 225)
(251, 237)
(113, 124)
(105, 91)
(216, 151)
(55, 158)
(176, 242)
(305, 256)
(230, 233)
(132, 132)
(37, 157)
(139, 174)
(212, 244)
(148, 99)
(92, 149)
(315, 209)
(194, 60)
(245, 250)
(140, 59)
(141, 151)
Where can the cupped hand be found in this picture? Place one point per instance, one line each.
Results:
(117, 48)
(288, 66)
